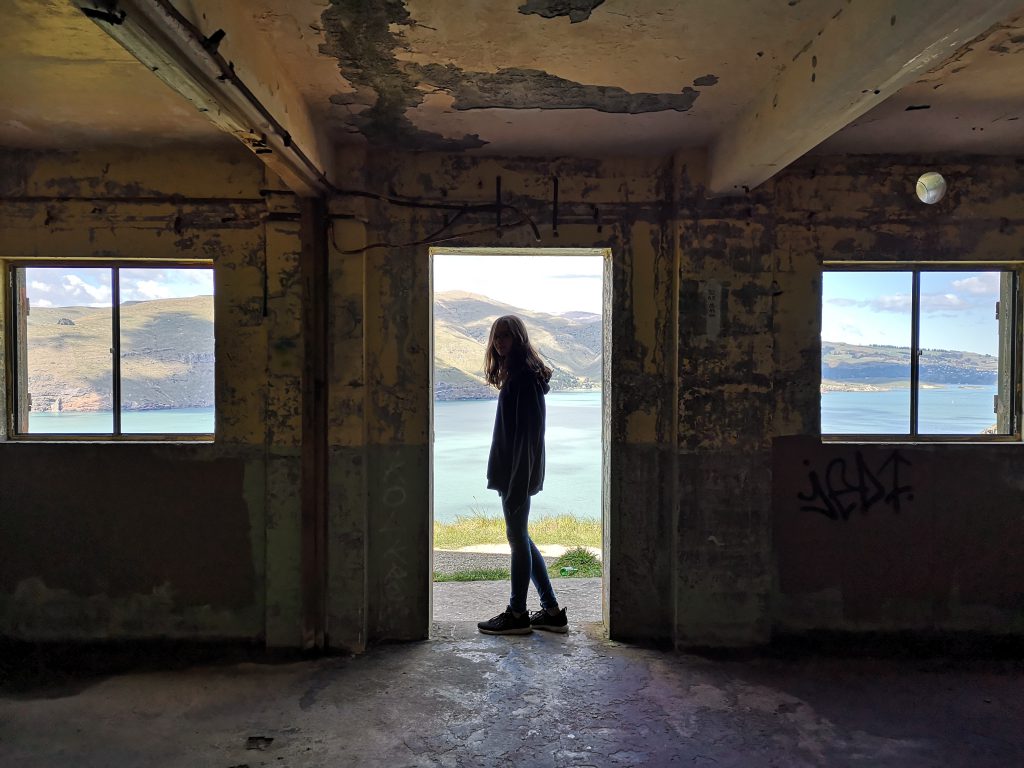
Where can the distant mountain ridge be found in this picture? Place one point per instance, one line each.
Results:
(570, 342)
(858, 365)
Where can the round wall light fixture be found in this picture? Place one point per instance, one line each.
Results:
(931, 187)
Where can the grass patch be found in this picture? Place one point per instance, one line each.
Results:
(583, 564)
(476, 574)
(477, 528)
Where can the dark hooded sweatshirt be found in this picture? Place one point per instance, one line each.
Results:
(515, 468)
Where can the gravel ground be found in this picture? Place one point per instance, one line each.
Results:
(446, 561)
(480, 600)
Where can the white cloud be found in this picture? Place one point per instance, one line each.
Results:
(76, 286)
(982, 284)
(147, 289)
(942, 302)
(42, 303)
(897, 302)
(38, 285)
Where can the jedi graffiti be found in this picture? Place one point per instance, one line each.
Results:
(849, 486)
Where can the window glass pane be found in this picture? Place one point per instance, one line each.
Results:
(167, 350)
(67, 350)
(959, 363)
(865, 352)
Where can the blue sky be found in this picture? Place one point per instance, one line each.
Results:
(90, 286)
(554, 284)
(957, 309)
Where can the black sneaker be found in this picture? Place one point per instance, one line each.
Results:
(543, 620)
(506, 624)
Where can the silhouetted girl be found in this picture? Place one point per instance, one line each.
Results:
(515, 470)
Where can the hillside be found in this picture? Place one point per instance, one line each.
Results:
(167, 356)
(571, 344)
(871, 366)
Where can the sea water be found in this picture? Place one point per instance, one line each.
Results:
(163, 421)
(572, 480)
(951, 409)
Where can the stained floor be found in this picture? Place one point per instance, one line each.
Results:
(464, 699)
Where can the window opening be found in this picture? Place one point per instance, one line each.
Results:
(920, 353)
(113, 350)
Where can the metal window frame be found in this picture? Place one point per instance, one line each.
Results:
(12, 370)
(1015, 269)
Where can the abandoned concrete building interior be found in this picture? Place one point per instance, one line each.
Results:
(723, 157)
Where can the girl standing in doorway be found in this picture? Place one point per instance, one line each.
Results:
(515, 469)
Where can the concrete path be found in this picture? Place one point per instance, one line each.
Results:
(475, 601)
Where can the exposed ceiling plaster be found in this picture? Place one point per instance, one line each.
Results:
(516, 77)
(65, 84)
(546, 75)
(972, 103)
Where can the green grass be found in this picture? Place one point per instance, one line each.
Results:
(583, 564)
(476, 574)
(477, 528)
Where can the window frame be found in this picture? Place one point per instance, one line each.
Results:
(1015, 348)
(12, 363)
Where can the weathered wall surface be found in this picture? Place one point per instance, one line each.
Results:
(727, 387)
(713, 355)
(619, 206)
(151, 540)
(942, 549)
(885, 537)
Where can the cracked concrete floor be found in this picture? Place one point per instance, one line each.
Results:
(465, 699)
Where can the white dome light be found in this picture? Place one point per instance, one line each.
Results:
(931, 187)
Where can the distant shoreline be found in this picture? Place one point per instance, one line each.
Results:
(857, 386)
(495, 395)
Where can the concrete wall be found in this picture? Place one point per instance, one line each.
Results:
(713, 355)
(943, 549)
(162, 540)
(380, 375)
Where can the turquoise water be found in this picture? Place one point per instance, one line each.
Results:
(572, 481)
(168, 421)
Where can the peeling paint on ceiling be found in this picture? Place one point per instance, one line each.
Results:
(365, 38)
(359, 35)
(502, 77)
(576, 10)
(517, 88)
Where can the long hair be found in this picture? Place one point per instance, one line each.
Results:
(522, 354)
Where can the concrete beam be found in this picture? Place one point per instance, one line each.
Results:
(227, 70)
(863, 54)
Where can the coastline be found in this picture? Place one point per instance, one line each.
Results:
(890, 386)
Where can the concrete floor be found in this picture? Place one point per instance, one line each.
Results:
(465, 699)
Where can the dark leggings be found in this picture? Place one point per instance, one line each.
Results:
(527, 562)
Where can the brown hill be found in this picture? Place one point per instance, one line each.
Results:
(167, 356)
(167, 352)
(571, 344)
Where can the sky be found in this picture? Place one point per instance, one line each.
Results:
(553, 284)
(957, 309)
(90, 286)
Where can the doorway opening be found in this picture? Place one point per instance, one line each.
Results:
(560, 294)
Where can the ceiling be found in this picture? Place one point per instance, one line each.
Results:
(510, 77)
